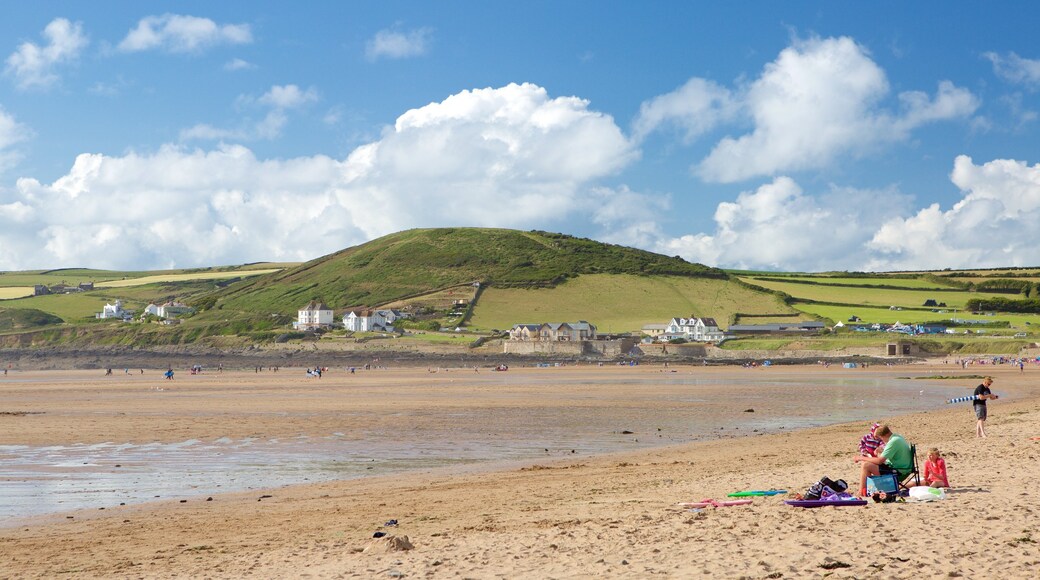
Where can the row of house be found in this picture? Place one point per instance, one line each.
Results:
(553, 332)
(169, 311)
(691, 329)
(316, 315)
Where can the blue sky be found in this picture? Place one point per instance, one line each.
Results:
(790, 136)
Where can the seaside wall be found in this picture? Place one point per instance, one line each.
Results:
(689, 349)
(607, 348)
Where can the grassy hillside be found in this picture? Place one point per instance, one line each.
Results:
(18, 318)
(135, 288)
(421, 261)
(619, 303)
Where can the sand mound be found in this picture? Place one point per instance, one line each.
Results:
(388, 544)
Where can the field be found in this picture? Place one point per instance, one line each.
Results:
(11, 292)
(174, 277)
(70, 307)
(1018, 322)
(621, 303)
(909, 283)
(909, 298)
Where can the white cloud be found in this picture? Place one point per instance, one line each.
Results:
(32, 66)
(333, 116)
(777, 226)
(696, 107)
(509, 157)
(288, 97)
(819, 100)
(278, 99)
(394, 44)
(626, 217)
(995, 224)
(1015, 69)
(11, 133)
(183, 34)
(238, 64)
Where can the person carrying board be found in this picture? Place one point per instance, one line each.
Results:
(982, 393)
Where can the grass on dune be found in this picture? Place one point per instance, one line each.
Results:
(620, 303)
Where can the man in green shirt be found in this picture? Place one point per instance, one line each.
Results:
(896, 457)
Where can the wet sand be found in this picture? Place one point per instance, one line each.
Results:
(611, 515)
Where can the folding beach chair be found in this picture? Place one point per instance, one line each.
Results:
(913, 478)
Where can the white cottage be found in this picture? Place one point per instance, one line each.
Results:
(313, 316)
(114, 311)
(367, 320)
(175, 309)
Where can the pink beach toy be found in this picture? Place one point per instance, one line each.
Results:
(715, 504)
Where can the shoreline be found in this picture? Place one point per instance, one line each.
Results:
(302, 356)
(608, 515)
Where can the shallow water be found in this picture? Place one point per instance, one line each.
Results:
(577, 419)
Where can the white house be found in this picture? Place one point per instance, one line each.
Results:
(367, 320)
(114, 311)
(313, 316)
(175, 309)
(694, 329)
(151, 309)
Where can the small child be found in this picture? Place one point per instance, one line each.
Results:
(869, 443)
(935, 470)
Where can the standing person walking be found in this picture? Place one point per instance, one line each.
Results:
(982, 393)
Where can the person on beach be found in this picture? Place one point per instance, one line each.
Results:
(869, 443)
(896, 457)
(935, 470)
(982, 393)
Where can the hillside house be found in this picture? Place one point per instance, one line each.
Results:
(116, 311)
(174, 309)
(369, 320)
(694, 329)
(152, 309)
(313, 316)
(654, 330)
(554, 332)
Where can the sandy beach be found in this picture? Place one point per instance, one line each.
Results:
(561, 516)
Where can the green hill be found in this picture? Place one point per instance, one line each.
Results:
(23, 318)
(422, 261)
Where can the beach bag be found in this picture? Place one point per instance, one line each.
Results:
(925, 493)
(884, 483)
(825, 487)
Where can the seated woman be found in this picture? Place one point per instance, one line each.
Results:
(935, 470)
(896, 457)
